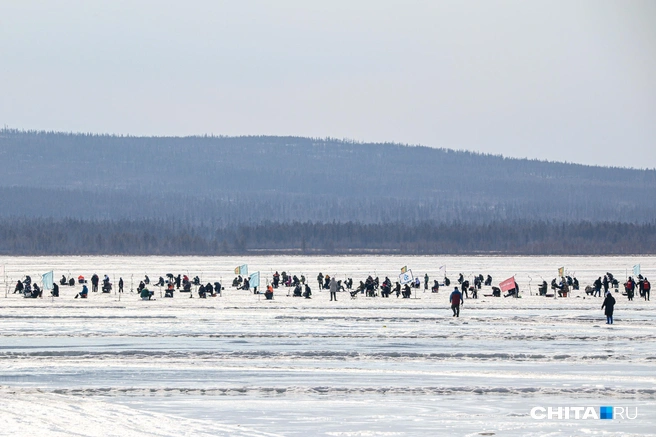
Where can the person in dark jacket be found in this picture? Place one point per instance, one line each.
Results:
(84, 293)
(19, 287)
(609, 304)
(120, 285)
(646, 286)
(456, 301)
(94, 283)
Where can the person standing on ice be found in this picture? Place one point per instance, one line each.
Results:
(456, 301)
(646, 288)
(609, 304)
(597, 287)
(94, 283)
(333, 289)
(320, 280)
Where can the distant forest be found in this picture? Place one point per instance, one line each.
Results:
(66, 193)
(156, 237)
(221, 181)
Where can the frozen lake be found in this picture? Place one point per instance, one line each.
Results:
(241, 365)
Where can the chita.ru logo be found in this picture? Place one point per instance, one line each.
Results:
(584, 413)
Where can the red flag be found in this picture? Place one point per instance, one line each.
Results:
(508, 284)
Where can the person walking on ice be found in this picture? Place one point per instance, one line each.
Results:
(456, 301)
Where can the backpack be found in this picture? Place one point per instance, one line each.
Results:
(646, 286)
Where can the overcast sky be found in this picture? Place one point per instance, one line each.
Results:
(559, 80)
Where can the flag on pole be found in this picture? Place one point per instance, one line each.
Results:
(47, 279)
(241, 270)
(404, 269)
(443, 271)
(636, 269)
(508, 284)
(561, 272)
(254, 280)
(405, 277)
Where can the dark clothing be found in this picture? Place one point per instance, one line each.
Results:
(609, 304)
(456, 300)
(94, 283)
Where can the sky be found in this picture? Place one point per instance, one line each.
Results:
(556, 80)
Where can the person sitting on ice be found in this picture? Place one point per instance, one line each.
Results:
(84, 293)
(202, 292)
(268, 294)
(55, 290)
(298, 291)
(169, 290)
(217, 288)
(160, 282)
(436, 286)
(107, 286)
(36, 291)
(63, 280)
(496, 292)
(406, 291)
(19, 287)
(308, 293)
(146, 294)
(247, 284)
(27, 290)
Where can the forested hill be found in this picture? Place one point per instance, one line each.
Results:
(228, 180)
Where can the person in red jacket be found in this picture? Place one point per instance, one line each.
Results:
(456, 301)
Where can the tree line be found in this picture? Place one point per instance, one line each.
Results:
(232, 180)
(43, 236)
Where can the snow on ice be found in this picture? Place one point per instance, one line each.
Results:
(240, 365)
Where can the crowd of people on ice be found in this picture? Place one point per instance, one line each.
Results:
(299, 286)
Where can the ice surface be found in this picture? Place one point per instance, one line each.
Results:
(241, 365)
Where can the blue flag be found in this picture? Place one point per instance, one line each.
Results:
(47, 280)
(636, 269)
(243, 269)
(254, 280)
